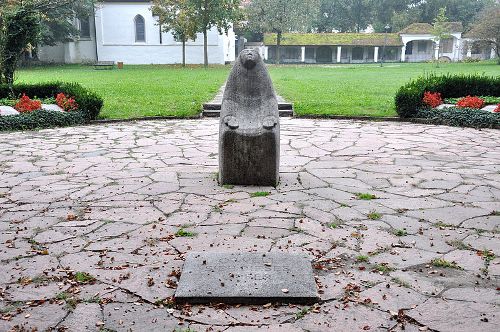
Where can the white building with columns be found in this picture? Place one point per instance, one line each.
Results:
(126, 31)
(413, 44)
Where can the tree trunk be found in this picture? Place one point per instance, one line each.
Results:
(183, 51)
(205, 48)
(497, 50)
(278, 46)
(10, 66)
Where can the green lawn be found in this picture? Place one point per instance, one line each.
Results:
(138, 91)
(357, 89)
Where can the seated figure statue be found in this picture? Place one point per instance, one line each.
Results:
(249, 131)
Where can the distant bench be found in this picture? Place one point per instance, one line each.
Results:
(104, 65)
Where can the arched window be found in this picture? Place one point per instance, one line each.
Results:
(140, 29)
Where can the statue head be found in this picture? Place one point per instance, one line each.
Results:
(249, 58)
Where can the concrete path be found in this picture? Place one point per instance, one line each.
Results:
(90, 219)
(212, 108)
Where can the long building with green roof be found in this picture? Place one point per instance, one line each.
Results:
(413, 44)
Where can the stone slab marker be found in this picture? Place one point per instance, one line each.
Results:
(246, 278)
(249, 131)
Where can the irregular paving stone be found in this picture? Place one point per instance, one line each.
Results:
(40, 318)
(353, 318)
(273, 328)
(489, 223)
(469, 294)
(138, 317)
(404, 258)
(449, 215)
(33, 292)
(132, 186)
(466, 316)
(391, 297)
(466, 259)
(85, 317)
(51, 236)
(262, 315)
(484, 242)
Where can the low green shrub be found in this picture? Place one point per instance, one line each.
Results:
(461, 117)
(409, 97)
(89, 106)
(40, 119)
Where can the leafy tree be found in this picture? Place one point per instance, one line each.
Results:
(176, 16)
(331, 17)
(29, 23)
(401, 13)
(18, 28)
(487, 28)
(456, 10)
(344, 15)
(396, 13)
(280, 16)
(440, 29)
(214, 13)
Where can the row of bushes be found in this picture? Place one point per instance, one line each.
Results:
(410, 99)
(89, 106)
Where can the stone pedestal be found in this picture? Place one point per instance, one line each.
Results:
(249, 133)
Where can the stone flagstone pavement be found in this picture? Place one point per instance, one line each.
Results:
(90, 219)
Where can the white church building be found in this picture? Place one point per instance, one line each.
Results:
(126, 31)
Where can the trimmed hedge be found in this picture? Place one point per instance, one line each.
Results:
(409, 97)
(40, 119)
(461, 117)
(89, 106)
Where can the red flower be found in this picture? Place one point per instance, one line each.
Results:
(471, 102)
(26, 105)
(67, 104)
(432, 99)
(497, 110)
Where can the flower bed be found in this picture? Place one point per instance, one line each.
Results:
(26, 105)
(77, 104)
(421, 97)
(471, 102)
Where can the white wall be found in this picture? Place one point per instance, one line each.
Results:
(115, 31)
(78, 51)
(455, 55)
(116, 39)
(51, 54)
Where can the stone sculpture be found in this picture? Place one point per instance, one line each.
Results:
(249, 131)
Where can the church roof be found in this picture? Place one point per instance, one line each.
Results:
(426, 28)
(338, 39)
